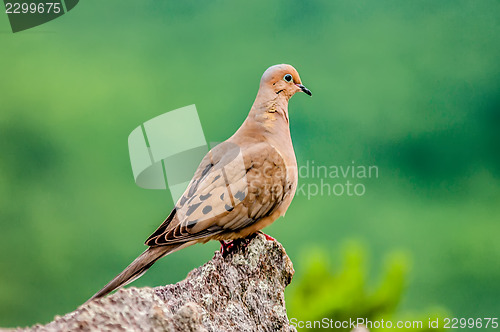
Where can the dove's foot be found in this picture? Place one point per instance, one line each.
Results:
(268, 237)
(226, 247)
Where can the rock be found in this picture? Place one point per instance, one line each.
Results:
(240, 292)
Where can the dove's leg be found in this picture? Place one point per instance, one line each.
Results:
(228, 246)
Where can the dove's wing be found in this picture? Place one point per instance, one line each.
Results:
(232, 188)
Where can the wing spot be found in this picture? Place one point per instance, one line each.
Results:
(192, 208)
(228, 208)
(222, 197)
(204, 197)
(207, 209)
(240, 195)
(216, 178)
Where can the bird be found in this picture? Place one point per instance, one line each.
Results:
(241, 185)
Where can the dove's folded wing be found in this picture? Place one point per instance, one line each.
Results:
(232, 188)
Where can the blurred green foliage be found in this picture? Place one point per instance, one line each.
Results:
(410, 86)
(345, 293)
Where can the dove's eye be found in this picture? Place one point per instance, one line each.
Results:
(288, 78)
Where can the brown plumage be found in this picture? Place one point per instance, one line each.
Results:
(241, 186)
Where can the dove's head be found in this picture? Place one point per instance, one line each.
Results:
(282, 79)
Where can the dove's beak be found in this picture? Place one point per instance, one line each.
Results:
(304, 89)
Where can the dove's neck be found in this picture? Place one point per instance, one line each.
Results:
(268, 118)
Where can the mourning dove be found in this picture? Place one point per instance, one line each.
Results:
(241, 186)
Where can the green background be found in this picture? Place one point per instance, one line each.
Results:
(410, 86)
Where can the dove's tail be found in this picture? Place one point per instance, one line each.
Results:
(137, 268)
